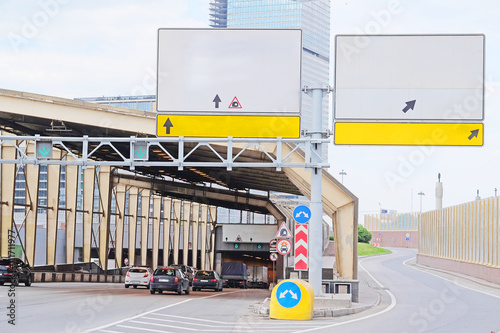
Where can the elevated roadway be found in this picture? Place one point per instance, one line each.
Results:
(31, 114)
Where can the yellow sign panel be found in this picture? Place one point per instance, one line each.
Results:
(420, 134)
(225, 126)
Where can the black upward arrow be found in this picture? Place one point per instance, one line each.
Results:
(168, 124)
(409, 105)
(217, 100)
(474, 133)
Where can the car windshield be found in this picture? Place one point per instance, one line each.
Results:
(138, 270)
(204, 274)
(165, 271)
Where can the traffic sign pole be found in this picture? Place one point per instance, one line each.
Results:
(315, 224)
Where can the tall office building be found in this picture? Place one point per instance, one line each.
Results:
(312, 16)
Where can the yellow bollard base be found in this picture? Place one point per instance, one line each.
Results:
(292, 299)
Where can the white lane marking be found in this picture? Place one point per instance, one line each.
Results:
(454, 282)
(389, 308)
(108, 331)
(142, 329)
(164, 325)
(149, 312)
(192, 319)
(137, 316)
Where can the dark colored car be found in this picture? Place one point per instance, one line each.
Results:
(14, 271)
(186, 270)
(169, 279)
(207, 280)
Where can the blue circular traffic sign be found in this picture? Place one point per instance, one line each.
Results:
(288, 294)
(302, 214)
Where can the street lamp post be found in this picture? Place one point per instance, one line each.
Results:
(342, 173)
(421, 194)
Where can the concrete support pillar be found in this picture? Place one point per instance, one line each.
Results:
(195, 229)
(53, 185)
(186, 220)
(145, 198)
(213, 221)
(133, 198)
(156, 229)
(71, 206)
(120, 196)
(32, 176)
(88, 210)
(203, 245)
(167, 217)
(7, 186)
(346, 241)
(177, 204)
(105, 217)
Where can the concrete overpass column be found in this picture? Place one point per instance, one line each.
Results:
(88, 210)
(346, 241)
(186, 220)
(7, 186)
(177, 222)
(133, 198)
(53, 184)
(156, 229)
(145, 199)
(203, 245)
(120, 196)
(32, 176)
(71, 206)
(195, 229)
(213, 222)
(105, 217)
(167, 217)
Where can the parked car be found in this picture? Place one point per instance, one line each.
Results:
(207, 280)
(186, 270)
(138, 276)
(169, 279)
(14, 271)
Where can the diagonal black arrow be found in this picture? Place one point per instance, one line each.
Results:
(168, 124)
(409, 105)
(473, 134)
(217, 100)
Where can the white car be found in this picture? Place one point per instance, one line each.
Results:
(138, 276)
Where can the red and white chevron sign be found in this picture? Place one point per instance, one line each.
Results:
(301, 247)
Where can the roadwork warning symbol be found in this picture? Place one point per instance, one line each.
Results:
(235, 104)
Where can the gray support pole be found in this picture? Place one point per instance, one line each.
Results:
(316, 222)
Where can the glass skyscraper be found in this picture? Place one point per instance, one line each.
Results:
(312, 16)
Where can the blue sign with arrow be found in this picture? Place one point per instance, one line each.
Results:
(288, 294)
(302, 214)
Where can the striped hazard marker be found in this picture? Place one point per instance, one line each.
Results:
(301, 247)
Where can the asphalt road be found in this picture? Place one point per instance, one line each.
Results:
(412, 300)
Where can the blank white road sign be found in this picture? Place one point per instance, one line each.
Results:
(229, 71)
(409, 77)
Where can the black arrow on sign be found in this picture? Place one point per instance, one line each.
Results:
(474, 133)
(217, 100)
(168, 124)
(409, 105)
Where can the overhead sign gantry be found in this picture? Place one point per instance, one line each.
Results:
(409, 90)
(229, 83)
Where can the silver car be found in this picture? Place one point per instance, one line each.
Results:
(138, 276)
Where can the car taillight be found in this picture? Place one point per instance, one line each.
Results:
(146, 274)
(152, 278)
(8, 266)
(176, 279)
(213, 280)
(195, 279)
(128, 274)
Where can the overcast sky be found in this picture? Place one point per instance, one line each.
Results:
(71, 48)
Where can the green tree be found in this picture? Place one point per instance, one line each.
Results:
(364, 236)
